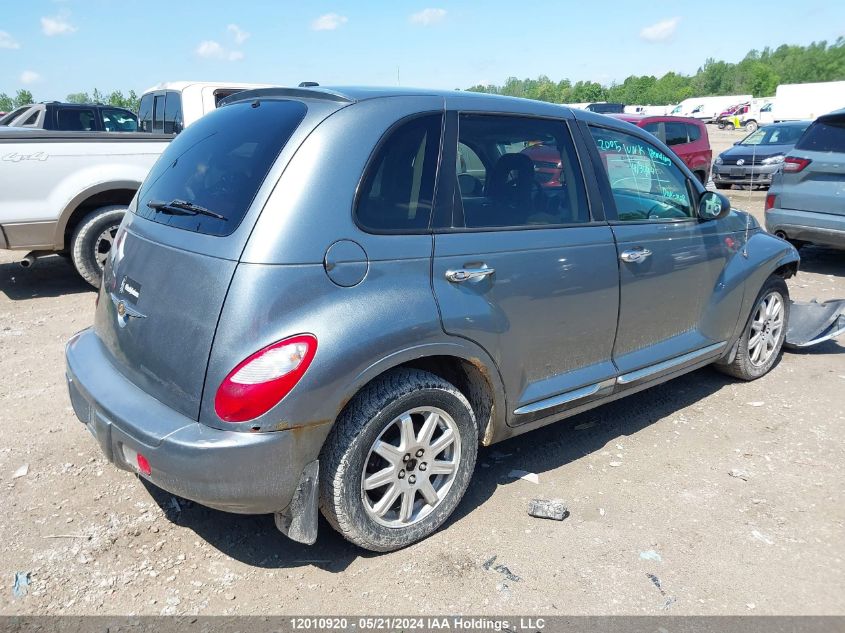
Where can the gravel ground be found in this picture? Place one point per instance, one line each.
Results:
(701, 496)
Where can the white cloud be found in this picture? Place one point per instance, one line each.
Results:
(238, 34)
(7, 41)
(209, 49)
(29, 77)
(56, 25)
(427, 17)
(660, 31)
(329, 22)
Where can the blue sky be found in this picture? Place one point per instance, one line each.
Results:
(56, 47)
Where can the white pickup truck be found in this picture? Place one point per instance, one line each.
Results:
(66, 192)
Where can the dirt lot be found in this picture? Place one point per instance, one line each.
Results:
(658, 523)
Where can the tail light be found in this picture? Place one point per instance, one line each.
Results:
(260, 382)
(792, 164)
(770, 202)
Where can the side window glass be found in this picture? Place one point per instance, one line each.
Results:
(32, 119)
(75, 120)
(471, 172)
(398, 186)
(646, 185)
(693, 132)
(119, 121)
(515, 171)
(173, 113)
(145, 114)
(676, 133)
(158, 114)
(656, 129)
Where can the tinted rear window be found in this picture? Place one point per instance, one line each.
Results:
(219, 163)
(824, 136)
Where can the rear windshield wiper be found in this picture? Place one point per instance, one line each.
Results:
(183, 207)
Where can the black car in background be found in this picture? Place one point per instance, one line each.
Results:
(72, 117)
(754, 159)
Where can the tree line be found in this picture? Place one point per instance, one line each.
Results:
(759, 74)
(116, 98)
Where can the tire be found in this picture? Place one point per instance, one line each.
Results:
(92, 240)
(721, 125)
(744, 365)
(722, 185)
(373, 415)
(751, 126)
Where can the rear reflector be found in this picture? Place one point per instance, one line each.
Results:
(137, 461)
(792, 164)
(143, 465)
(770, 202)
(260, 382)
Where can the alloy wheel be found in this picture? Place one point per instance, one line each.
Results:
(766, 328)
(103, 245)
(410, 467)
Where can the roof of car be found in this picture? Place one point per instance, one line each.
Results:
(353, 94)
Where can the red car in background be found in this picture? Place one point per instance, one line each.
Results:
(687, 137)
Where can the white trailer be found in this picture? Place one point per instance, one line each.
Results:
(799, 102)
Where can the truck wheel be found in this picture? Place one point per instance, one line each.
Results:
(761, 343)
(398, 460)
(721, 125)
(751, 126)
(92, 241)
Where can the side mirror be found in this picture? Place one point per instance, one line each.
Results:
(713, 206)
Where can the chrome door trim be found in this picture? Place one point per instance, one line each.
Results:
(645, 372)
(564, 398)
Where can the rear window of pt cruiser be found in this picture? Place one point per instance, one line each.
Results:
(217, 165)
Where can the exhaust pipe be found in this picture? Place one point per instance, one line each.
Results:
(29, 258)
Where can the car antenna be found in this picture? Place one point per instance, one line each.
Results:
(750, 191)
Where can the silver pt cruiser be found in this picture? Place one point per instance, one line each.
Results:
(327, 299)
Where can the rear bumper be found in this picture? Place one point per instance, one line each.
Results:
(246, 473)
(825, 229)
(744, 175)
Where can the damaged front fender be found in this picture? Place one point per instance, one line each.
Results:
(812, 322)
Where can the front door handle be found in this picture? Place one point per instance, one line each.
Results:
(635, 255)
(465, 274)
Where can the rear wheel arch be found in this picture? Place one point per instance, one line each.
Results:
(473, 374)
(111, 194)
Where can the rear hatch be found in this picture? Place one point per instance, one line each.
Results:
(168, 274)
(820, 185)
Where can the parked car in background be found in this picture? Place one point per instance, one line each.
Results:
(707, 109)
(72, 117)
(606, 108)
(806, 202)
(687, 137)
(70, 190)
(756, 158)
(169, 107)
(73, 188)
(264, 343)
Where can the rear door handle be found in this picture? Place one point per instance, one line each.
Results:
(635, 255)
(465, 274)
